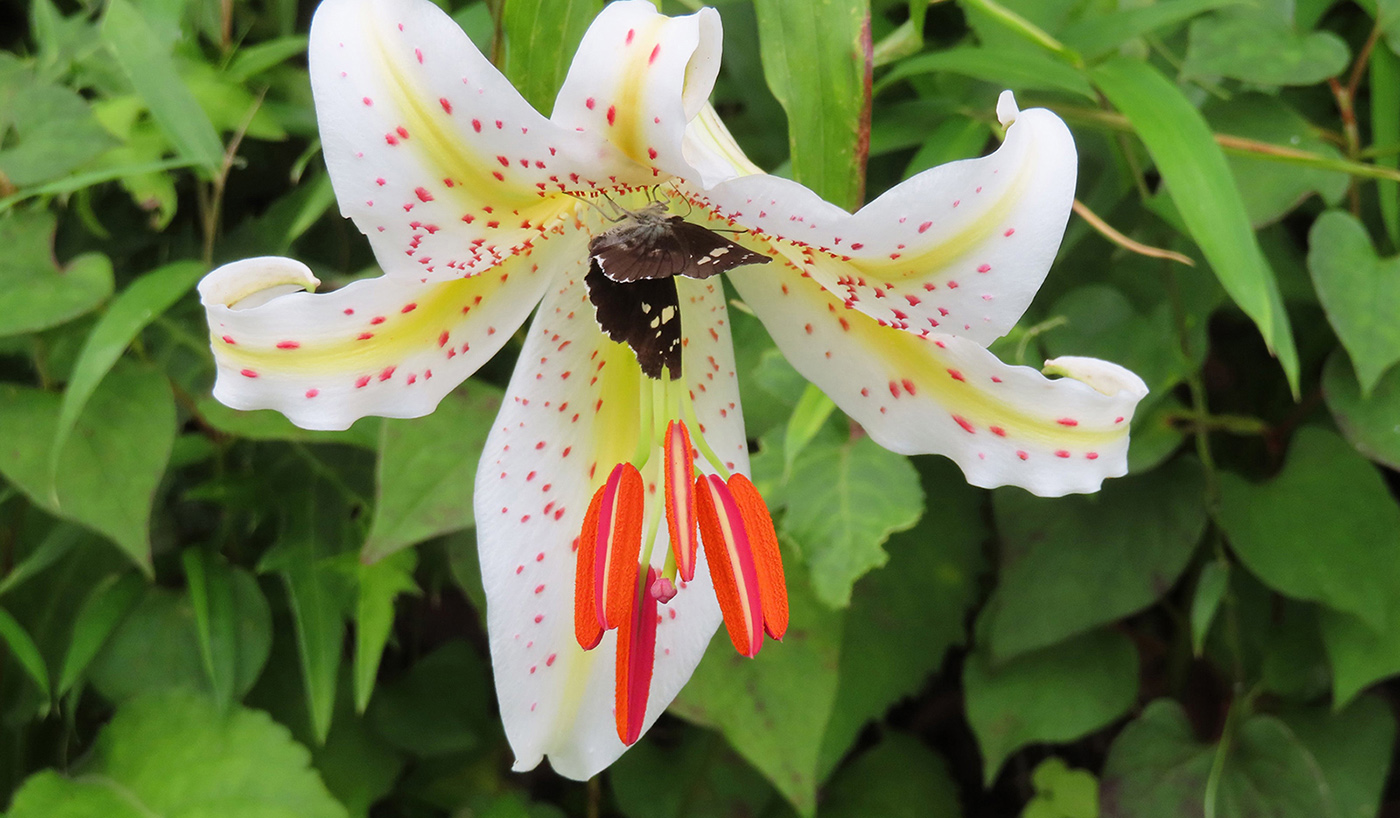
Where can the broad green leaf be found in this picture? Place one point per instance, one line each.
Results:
(1257, 46)
(1158, 768)
(104, 610)
(844, 500)
(35, 293)
(176, 755)
(1101, 322)
(427, 467)
(1071, 564)
(379, 585)
(1360, 291)
(1019, 70)
(358, 766)
(130, 312)
(690, 773)
(898, 778)
(1205, 601)
(441, 706)
(1368, 423)
(108, 474)
(1352, 748)
(1272, 189)
(954, 138)
(1385, 130)
(904, 617)
(1099, 34)
(152, 72)
(541, 37)
(1061, 792)
(268, 424)
(1156, 435)
(773, 709)
(232, 622)
(1055, 694)
(1198, 178)
(1325, 528)
(817, 60)
(49, 130)
(26, 653)
(157, 645)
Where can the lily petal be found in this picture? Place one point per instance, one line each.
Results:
(387, 346)
(638, 78)
(959, 249)
(1003, 425)
(432, 152)
(571, 412)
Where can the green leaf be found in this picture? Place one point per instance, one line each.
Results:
(904, 616)
(773, 709)
(1071, 564)
(175, 755)
(49, 130)
(1272, 189)
(1195, 172)
(1019, 70)
(1385, 130)
(691, 773)
(899, 778)
(427, 467)
(22, 647)
(1157, 767)
(147, 63)
(844, 500)
(807, 419)
(108, 474)
(157, 645)
(1288, 530)
(316, 593)
(1360, 292)
(255, 59)
(1061, 792)
(1099, 34)
(1368, 423)
(104, 610)
(35, 293)
(380, 584)
(1259, 47)
(130, 312)
(541, 37)
(1055, 694)
(1205, 601)
(953, 139)
(269, 424)
(227, 605)
(55, 546)
(1352, 748)
(358, 766)
(1102, 322)
(817, 60)
(441, 706)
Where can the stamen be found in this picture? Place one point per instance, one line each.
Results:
(680, 498)
(663, 589)
(588, 626)
(636, 653)
(729, 554)
(768, 561)
(619, 538)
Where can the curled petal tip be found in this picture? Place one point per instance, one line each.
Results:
(1104, 377)
(1006, 109)
(253, 282)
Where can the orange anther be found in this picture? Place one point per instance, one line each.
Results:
(731, 562)
(768, 561)
(636, 655)
(588, 628)
(619, 540)
(680, 498)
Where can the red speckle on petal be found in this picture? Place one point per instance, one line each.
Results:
(1023, 455)
(1062, 453)
(1009, 231)
(589, 103)
(476, 125)
(446, 105)
(228, 339)
(985, 268)
(248, 373)
(925, 226)
(402, 131)
(856, 245)
(963, 422)
(654, 51)
(631, 32)
(288, 345)
(418, 52)
(956, 375)
(423, 194)
(998, 431)
(1067, 422)
(362, 382)
(311, 393)
(612, 114)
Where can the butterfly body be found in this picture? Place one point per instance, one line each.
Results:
(630, 280)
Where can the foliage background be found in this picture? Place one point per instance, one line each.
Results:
(188, 626)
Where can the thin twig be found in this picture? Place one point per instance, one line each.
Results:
(1107, 231)
(216, 193)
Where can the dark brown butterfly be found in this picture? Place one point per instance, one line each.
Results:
(630, 282)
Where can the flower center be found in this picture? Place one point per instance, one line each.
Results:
(616, 586)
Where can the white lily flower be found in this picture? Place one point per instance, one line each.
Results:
(478, 208)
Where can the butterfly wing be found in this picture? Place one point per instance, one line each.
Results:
(708, 253)
(644, 314)
(639, 249)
